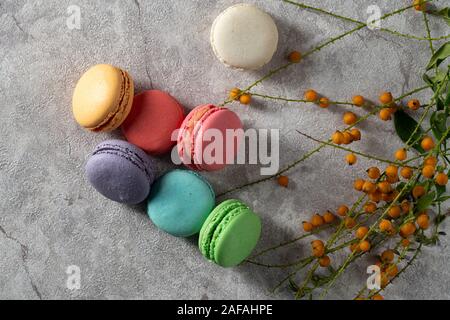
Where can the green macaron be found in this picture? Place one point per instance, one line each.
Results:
(229, 234)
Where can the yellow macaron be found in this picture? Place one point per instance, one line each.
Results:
(103, 98)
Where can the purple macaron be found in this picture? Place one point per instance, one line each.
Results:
(121, 171)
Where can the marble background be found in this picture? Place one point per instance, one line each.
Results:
(50, 218)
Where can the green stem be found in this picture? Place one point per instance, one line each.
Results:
(297, 100)
(409, 36)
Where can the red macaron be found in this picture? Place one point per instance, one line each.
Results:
(152, 121)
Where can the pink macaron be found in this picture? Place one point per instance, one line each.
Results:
(153, 119)
(199, 146)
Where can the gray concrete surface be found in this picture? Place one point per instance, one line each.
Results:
(51, 218)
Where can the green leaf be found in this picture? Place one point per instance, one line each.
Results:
(440, 191)
(405, 126)
(438, 123)
(439, 56)
(294, 287)
(444, 13)
(425, 201)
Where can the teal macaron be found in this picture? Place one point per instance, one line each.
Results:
(229, 234)
(180, 201)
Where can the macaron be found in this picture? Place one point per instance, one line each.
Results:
(103, 98)
(120, 171)
(194, 138)
(244, 37)
(230, 233)
(180, 202)
(153, 119)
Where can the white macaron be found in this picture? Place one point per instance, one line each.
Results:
(244, 37)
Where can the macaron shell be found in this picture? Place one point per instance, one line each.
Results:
(180, 202)
(244, 37)
(237, 239)
(153, 119)
(102, 98)
(117, 178)
(222, 120)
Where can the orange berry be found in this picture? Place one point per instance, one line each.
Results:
(386, 97)
(392, 270)
(356, 134)
(354, 247)
(245, 98)
(384, 187)
(392, 179)
(427, 143)
(295, 57)
(387, 256)
(405, 242)
(337, 138)
(428, 171)
(307, 226)
(377, 297)
(361, 232)
(392, 109)
(317, 243)
(318, 248)
(423, 221)
(348, 138)
(342, 210)
(385, 114)
(370, 207)
(430, 160)
(414, 104)
(349, 222)
(420, 5)
(384, 280)
(401, 154)
(407, 229)
(349, 118)
(283, 181)
(358, 101)
(406, 206)
(392, 171)
(388, 197)
(385, 225)
(351, 159)
(375, 196)
(324, 261)
(311, 96)
(441, 179)
(406, 173)
(418, 191)
(373, 173)
(234, 93)
(395, 212)
(369, 187)
(358, 184)
(328, 217)
(324, 102)
(317, 220)
(364, 246)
